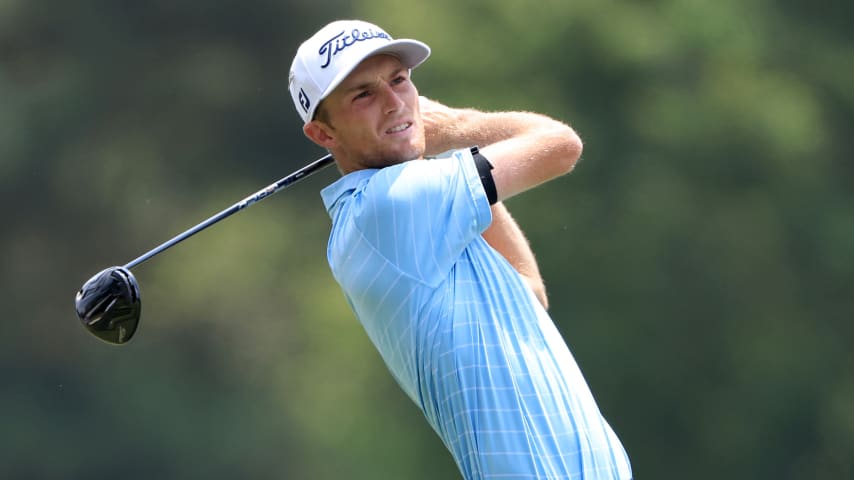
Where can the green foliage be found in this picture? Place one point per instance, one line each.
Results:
(699, 259)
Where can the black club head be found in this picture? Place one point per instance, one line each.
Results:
(108, 305)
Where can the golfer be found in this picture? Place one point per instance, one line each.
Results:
(434, 267)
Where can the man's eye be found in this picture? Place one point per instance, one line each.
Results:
(398, 80)
(364, 94)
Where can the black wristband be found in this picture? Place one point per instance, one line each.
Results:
(484, 170)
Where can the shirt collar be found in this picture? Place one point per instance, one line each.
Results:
(345, 186)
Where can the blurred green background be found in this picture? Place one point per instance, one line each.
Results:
(700, 259)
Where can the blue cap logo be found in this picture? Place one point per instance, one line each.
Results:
(339, 42)
(304, 102)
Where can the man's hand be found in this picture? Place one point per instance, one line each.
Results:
(441, 125)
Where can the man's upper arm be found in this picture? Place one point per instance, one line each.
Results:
(421, 214)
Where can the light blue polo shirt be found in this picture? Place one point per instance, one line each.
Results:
(458, 327)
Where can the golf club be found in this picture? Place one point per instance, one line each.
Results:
(109, 304)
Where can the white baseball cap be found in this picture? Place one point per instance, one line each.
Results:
(323, 61)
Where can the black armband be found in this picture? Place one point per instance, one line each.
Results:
(484, 170)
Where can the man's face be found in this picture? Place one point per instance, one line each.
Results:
(372, 119)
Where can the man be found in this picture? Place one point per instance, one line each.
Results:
(435, 268)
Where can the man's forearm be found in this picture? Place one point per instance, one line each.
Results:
(450, 128)
(526, 149)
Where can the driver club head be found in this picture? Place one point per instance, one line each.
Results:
(108, 305)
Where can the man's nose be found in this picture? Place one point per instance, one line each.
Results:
(392, 102)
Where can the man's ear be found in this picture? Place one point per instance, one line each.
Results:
(320, 133)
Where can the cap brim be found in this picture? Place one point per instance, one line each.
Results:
(411, 53)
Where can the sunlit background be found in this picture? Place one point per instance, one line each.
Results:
(700, 259)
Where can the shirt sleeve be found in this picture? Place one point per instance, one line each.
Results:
(420, 215)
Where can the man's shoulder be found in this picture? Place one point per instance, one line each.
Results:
(403, 183)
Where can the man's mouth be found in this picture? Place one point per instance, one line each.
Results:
(399, 128)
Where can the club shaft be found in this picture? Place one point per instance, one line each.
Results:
(294, 177)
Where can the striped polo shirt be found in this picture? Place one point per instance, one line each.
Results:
(458, 327)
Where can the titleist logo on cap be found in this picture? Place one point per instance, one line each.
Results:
(339, 42)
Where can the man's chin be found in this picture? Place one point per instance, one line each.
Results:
(403, 155)
(380, 158)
